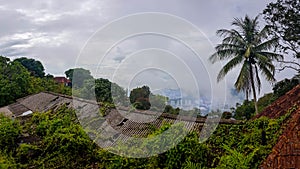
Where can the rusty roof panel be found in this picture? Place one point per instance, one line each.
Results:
(286, 152)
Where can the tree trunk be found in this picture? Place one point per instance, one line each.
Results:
(253, 89)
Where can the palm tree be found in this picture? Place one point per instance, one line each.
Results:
(249, 47)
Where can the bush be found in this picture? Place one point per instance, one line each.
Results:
(64, 144)
(9, 133)
(245, 111)
(7, 161)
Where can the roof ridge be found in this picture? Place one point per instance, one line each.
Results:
(277, 108)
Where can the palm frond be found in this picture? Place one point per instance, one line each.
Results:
(229, 66)
(271, 55)
(267, 45)
(239, 23)
(231, 36)
(257, 79)
(247, 40)
(264, 33)
(234, 40)
(228, 46)
(267, 70)
(261, 58)
(243, 80)
(223, 54)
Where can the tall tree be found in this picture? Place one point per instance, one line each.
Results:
(35, 67)
(284, 18)
(78, 76)
(14, 81)
(102, 90)
(140, 98)
(250, 47)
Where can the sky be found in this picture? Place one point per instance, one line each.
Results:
(66, 34)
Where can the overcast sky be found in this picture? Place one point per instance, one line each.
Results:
(55, 31)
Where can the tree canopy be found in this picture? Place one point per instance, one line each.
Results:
(284, 86)
(142, 98)
(139, 97)
(35, 67)
(284, 18)
(16, 82)
(78, 76)
(102, 90)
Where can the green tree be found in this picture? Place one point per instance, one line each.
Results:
(14, 81)
(250, 47)
(78, 76)
(265, 101)
(244, 111)
(9, 131)
(226, 115)
(101, 90)
(48, 84)
(35, 67)
(139, 97)
(158, 102)
(284, 16)
(284, 86)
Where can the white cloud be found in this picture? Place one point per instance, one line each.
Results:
(39, 16)
(54, 32)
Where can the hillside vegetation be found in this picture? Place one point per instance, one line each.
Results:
(55, 139)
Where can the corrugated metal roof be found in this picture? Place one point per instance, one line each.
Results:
(6, 111)
(17, 108)
(120, 124)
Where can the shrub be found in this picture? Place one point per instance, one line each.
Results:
(9, 133)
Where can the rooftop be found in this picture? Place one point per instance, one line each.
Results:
(286, 152)
(122, 122)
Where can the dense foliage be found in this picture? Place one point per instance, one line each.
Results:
(101, 90)
(169, 109)
(139, 97)
(35, 67)
(78, 76)
(55, 139)
(283, 16)
(9, 132)
(284, 86)
(142, 98)
(245, 110)
(16, 82)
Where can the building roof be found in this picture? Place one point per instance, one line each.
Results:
(61, 79)
(286, 152)
(6, 111)
(282, 104)
(122, 122)
(123, 125)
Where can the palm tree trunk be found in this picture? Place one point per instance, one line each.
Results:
(253, 89)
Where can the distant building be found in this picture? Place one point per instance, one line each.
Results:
(63, 80)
